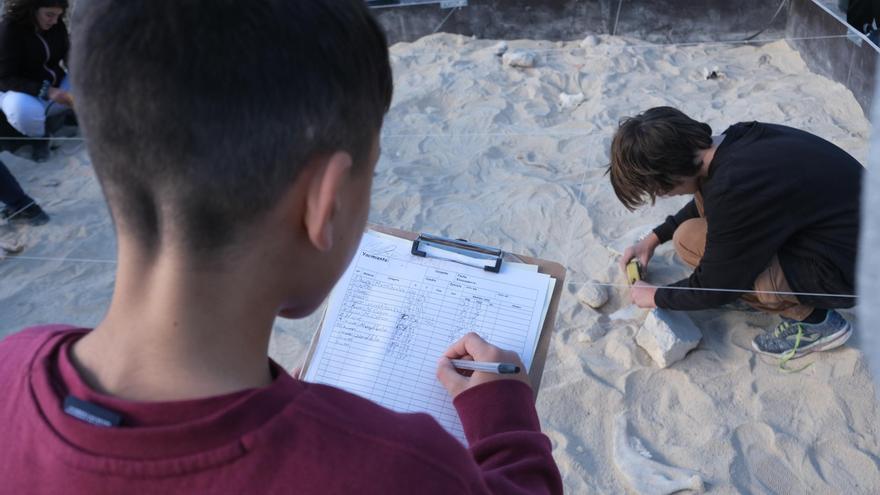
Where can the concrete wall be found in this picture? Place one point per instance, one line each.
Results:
(684, 21)
(661, 21)
(501, 19)
(851, 61)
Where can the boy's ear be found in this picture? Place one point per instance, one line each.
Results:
(323, 198)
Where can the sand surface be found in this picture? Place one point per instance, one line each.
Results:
(476, 149)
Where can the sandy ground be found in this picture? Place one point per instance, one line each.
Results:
(473, 148)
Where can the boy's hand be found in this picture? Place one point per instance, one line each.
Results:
(60, 96)
(643, 294)
(642, 251)
(472, 346)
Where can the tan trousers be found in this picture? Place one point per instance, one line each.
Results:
(690, 244)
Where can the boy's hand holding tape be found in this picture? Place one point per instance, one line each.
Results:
(642, 294)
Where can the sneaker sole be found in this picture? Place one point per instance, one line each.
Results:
(32, 222)
(832, 341)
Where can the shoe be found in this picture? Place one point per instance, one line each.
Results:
(40, 150)
(793, 339)
(31, 214)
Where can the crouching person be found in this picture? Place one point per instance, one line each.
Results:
(774, 214)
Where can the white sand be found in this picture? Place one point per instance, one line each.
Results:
(476, 149)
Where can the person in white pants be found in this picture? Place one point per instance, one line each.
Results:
(34, 44)
(27, 114)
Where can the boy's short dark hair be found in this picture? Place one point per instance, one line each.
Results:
(653, 152)
(198, 114)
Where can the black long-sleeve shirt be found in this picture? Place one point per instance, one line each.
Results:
(773, 190)
(28, 56)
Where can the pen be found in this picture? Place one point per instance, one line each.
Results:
(500, 368)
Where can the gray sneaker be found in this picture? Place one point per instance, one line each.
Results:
(793, 339)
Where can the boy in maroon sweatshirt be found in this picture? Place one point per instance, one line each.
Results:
(235, 143)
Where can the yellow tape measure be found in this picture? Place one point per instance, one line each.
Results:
(633, 271)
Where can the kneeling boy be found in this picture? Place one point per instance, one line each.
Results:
(775, 212)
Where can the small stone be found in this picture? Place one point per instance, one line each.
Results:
(519, 58)
(569, 101)
(589, 41)
(593, 295)
(11, 247)
(579, 449)
(499, 49)
(713, 73)
(667, 336)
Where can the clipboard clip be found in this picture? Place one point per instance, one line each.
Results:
(458, 250)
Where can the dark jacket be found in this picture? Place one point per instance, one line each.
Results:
(774, 190)
(29, 57)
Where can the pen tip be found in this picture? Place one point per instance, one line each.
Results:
(508, 368)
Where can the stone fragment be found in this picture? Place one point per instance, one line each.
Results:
(11, 247)
(667, 336)
(570, 101)
(593, 295)
(519, 58)
(644, 475)
(499, 48)
(713, 73)
(589, 41)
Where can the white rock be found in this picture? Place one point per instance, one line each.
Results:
(519, 58)
(499, 49)
(11, 247)
(713, 73)
(667, 336)
(568, 101)
(589, 41)
(643, 474)
(593, 295)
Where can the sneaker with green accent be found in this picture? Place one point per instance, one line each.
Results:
(793, 339)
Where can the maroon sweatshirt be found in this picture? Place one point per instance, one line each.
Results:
(288, 437)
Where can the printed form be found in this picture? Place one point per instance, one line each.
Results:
(392, 315)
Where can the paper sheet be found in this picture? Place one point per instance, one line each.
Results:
(392, 314)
